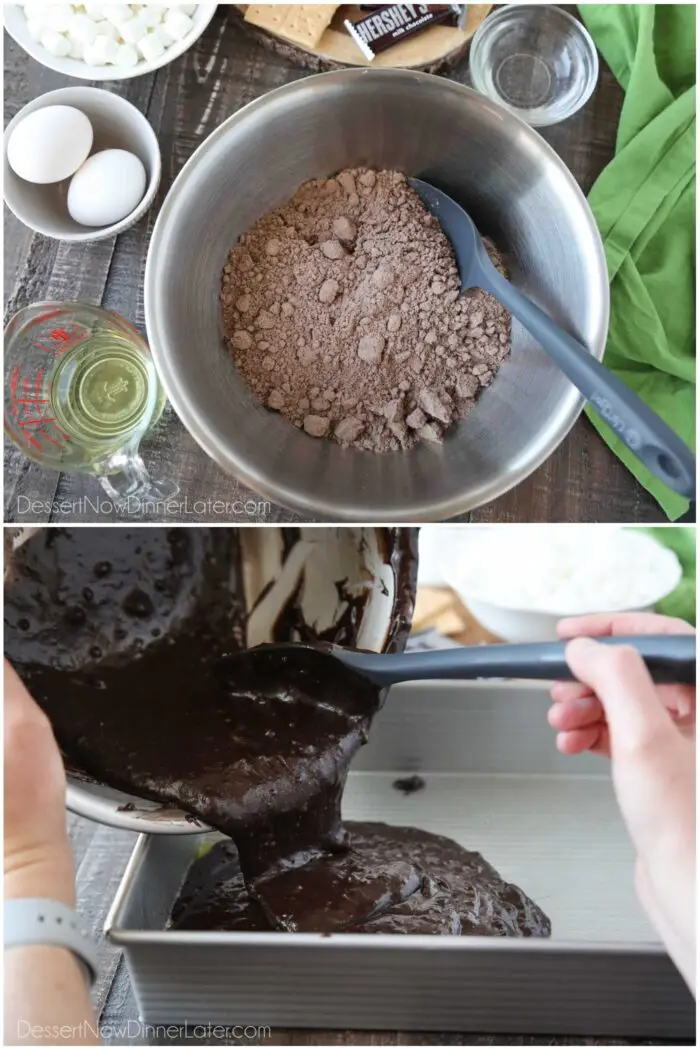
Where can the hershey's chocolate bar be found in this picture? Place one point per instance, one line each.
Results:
(388, 24)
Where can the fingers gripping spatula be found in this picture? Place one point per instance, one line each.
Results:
(644, 433)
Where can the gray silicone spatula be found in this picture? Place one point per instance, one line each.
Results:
(669, 658)
(646, 435)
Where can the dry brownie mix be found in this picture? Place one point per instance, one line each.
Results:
(343, 313)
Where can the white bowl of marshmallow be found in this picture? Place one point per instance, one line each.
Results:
(518, 581)
(106, 41)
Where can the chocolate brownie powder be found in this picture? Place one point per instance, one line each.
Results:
(343, 313)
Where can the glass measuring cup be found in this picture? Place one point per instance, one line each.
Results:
(81, 390)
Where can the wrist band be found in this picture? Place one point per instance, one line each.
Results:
(35, 920)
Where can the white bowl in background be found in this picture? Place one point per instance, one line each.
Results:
(116, 124)
(440, 547)
(512, 550)
(16, 26)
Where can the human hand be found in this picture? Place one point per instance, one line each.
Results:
(648, 732)
(38, 858)
(578, 714)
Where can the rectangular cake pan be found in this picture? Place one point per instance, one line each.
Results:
(495, 783)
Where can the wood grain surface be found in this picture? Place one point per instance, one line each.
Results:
(336, 49)
(185, 101)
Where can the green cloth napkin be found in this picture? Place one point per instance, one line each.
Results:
(644, 204)
(681, 541)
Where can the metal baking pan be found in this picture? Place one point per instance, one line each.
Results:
(495, 783)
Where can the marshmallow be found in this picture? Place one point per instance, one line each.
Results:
(126, 56)
(54, 43)
(177, 25)
(152, 14)
(35, 27)
(105, 28)
(94, 55)
(82, 29)
(118, 13)
(133, 30)
(161, 33)
(151, 47)
(58, 16)
(107, 48)
(106, 33)
(35, 12)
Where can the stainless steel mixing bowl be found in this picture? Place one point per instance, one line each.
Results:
(517, 190)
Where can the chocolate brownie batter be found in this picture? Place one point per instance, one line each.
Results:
(404, 881)
(121, 635)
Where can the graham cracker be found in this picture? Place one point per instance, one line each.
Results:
(303, 24)
(440, 608)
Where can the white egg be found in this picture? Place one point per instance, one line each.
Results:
(107, 188)
(50, 144)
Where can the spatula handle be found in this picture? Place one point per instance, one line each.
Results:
(669, 658)
(644, 433)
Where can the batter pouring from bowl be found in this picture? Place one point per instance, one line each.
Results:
(104, 624)
(625, 714)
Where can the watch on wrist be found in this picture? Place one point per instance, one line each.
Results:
(37, 920)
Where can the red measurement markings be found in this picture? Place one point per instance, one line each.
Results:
(29, 411)
(58, 340)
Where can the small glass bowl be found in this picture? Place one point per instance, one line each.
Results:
(536, 60)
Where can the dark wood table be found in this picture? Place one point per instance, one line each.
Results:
(185, 101)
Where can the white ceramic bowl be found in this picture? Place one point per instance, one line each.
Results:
(16, 26)
(536, 621)
(117, 124)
